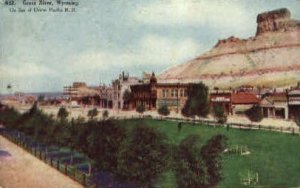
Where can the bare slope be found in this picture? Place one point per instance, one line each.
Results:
(271, 58)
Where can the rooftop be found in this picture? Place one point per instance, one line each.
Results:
(244, 98)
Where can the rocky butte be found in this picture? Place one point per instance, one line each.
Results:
(270, 58)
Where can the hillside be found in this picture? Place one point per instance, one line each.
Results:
(271, 58)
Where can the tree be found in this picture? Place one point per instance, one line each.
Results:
(211, 154)
(81, 137)
(9, 117)
(199, 166)
(111, 136)
(190, 167)
(197, 103)
(105, 114)
(41, 98)
(140, 108)
(62, 113)
(63, 133)
(163, 110)
(126, 98)
(254, 114)
(143, 156)
(93, 113)
(219, 113)
(33, 109)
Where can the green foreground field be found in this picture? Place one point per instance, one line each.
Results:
(274, 156)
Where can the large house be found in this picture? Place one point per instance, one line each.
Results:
(154, 95)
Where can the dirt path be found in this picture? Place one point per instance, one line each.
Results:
(19, 169)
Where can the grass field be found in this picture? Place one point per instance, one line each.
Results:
(274, 156)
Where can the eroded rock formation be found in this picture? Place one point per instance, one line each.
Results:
(276, 20)
(272, 57)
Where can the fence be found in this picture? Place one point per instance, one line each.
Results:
(52, 156)
(291, 130)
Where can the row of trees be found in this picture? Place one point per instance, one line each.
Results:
(139, 154)
(92, 113)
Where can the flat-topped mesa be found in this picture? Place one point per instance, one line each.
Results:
(276, 20)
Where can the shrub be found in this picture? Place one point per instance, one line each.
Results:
(254, 114)
(219, 114)
(140, 108)
(163, 110)
(62, 113)
(105, 114)
(93, 113)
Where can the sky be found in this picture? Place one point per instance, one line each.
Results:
(46, 51)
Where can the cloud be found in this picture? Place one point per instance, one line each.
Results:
(227, 16)
(151, 52)
(27, 77)
(24, 70)
(157, 49)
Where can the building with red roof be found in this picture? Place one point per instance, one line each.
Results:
(233, 102)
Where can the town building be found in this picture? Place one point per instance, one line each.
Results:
(260, 92)
(120, 85)
(275, 105)
(154, 95)
(242, 101)
(173, 95)
(105, 96)
(146, 77)
(294, 101)
(144, 94)
(232, 101)
(82, 94)
(78, 90)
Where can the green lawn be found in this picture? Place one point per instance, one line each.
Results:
(274, 156)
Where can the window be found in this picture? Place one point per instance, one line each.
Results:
(181, 93)
(174, 93)
(165, 93)
(185, 92)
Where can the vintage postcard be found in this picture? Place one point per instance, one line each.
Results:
(142, 94)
